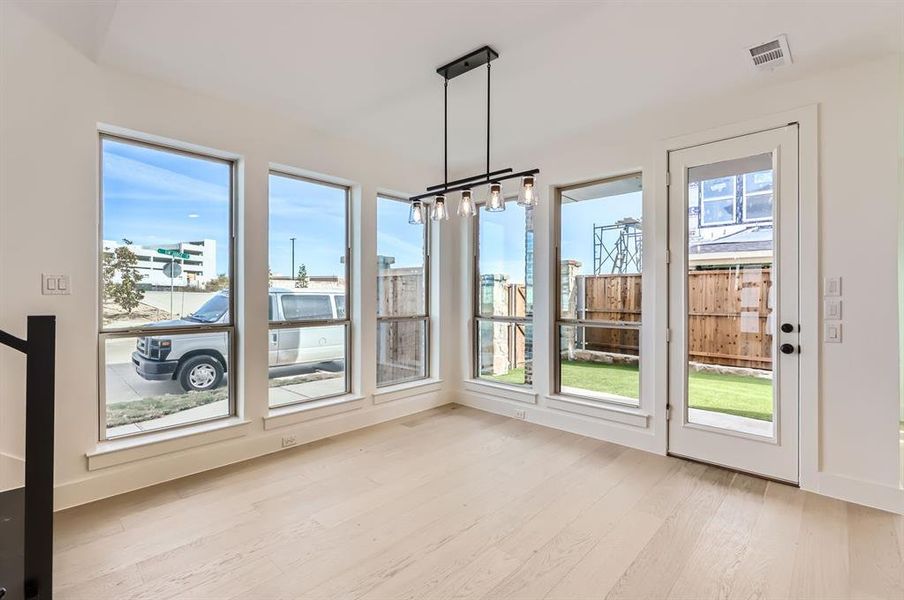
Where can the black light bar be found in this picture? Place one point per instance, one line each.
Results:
(487, 178)
(439, 186)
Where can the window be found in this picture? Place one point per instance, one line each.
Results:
(310, 331)
(758, 196)
(402, 295)
(166, 288)
(718, 198)
(503, 295)
(600, 246)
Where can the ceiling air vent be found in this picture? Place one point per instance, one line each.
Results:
(771, 54)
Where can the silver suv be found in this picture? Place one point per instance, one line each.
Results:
(198, 361)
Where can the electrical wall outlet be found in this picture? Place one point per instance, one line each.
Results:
(521, 414)
(288, 440)
(54, 284)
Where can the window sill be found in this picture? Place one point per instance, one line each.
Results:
(406, 390)
(500, 390)
(315, 409)
(598, 410)
(121, 451)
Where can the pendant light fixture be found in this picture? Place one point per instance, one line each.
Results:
(416, 214)
(495, 196)
(466, 206)
(439, 211)
(495, 199)
(527, 196)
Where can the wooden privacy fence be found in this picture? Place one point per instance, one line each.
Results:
(728, 315)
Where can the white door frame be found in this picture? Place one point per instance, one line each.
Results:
(809, 274)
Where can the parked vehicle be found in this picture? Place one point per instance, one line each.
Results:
(198, 360)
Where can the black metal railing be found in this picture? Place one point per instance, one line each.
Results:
(34, 506)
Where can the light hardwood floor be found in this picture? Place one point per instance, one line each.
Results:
(457, 503)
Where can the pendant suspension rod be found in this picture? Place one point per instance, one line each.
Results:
(485, 180)
(488, 111)
(445, 133)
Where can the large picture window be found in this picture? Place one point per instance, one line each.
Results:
(166, 303)
(503, 295)
(600, 245)
(310, 331)
(402, 295)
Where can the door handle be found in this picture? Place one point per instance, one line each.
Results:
(787, 348)
(787, 328)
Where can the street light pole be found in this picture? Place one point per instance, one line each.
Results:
(293, 258)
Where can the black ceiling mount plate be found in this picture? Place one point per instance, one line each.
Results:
(469, 61)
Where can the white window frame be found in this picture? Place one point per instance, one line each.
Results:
(478, 318)
(107, 333)
(308, 323)
(560, 322)
(734, 205)
(423, 316)
(745, 195)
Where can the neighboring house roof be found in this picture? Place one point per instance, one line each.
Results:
(754, 239)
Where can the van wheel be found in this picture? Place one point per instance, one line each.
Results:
(200, 373)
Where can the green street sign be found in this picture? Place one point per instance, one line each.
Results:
(174, 253)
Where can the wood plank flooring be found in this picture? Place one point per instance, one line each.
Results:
(457, 503)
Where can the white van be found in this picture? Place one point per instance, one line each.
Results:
(198, 361)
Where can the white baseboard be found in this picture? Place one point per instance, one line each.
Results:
(12, 471)
(133, 476)
(600, 429)
(879, 496)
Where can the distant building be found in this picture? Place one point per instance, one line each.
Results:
(730, 221)
(196, 271)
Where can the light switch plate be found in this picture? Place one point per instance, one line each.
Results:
(831, 286)
(831, 308)
(53, 284)
(831, 332)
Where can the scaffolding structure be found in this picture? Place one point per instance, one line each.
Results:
(618, 247)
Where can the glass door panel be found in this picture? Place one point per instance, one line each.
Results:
(730, 253)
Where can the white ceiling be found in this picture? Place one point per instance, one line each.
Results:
(366, 69)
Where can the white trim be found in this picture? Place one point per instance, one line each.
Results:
(129, 449)
(578, 424)
(499, 390)
(405, 390)
(131, 477)
(12, 471)
(598, 410)
(859, 491)
(167, 142)
(308, 411)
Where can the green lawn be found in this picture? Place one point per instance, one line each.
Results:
(730, 394)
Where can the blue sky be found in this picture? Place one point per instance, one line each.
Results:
(502, 233)
(312, 213)
(578, 219)
(153, 198)
(396, 237)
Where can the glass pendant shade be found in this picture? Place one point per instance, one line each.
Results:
(466, 205)
(440, 213)
(416, 214)
(527, 196)
(495, 201)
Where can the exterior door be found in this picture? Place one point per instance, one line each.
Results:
(733, 310)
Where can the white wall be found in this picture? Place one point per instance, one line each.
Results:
(53, 99)
(858, 202)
